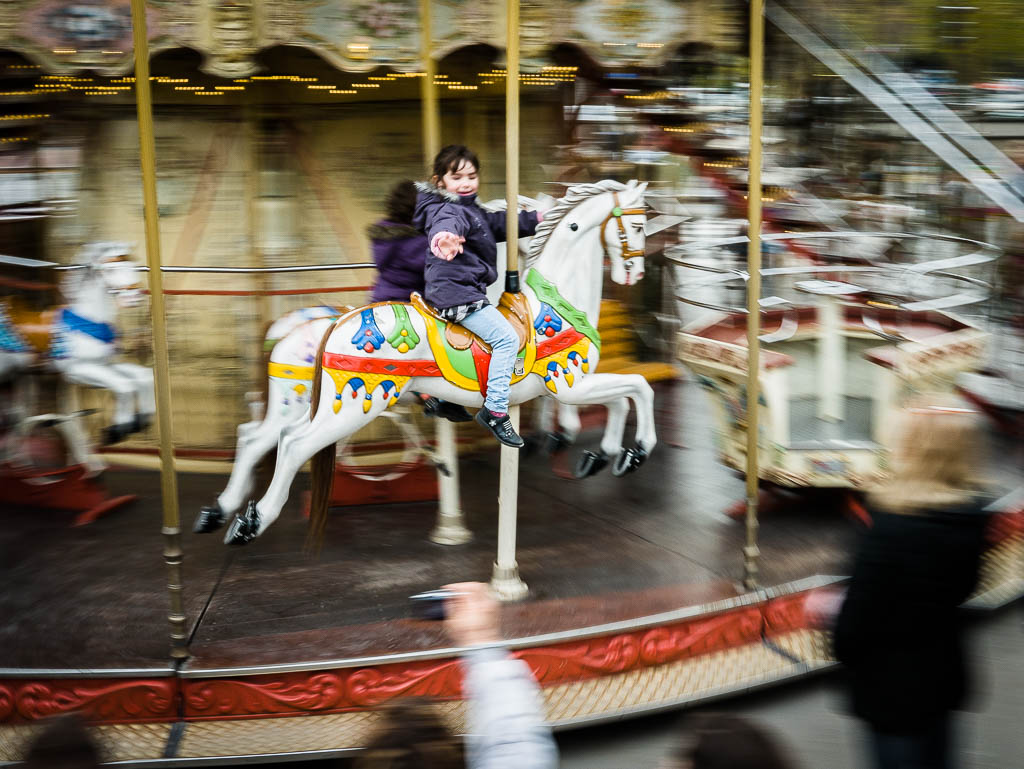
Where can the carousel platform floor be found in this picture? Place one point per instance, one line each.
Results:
(634, 604)
(600, 550)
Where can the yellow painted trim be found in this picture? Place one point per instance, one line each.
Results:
(370, 381)
(437, 349)
(285, 371)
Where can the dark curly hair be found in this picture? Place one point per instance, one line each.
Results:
(64, 743)
(411, 735)
(725, 741)
(451, 157)
(401, 202)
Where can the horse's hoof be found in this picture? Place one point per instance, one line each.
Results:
(210, 518)
(556, 441)
(116, 433)
(244, 528)
(628, 461)
(590, 463)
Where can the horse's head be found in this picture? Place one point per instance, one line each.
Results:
(622, 233)
(111, 263)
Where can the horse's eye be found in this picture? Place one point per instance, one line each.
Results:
(574, 226)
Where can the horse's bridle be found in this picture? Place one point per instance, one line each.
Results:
(618, 212)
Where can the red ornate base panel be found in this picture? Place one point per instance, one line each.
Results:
(111, 700)
(359, 688)
(347, 689)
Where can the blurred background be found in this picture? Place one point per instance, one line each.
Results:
(280, 126)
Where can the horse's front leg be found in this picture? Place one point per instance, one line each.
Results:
(105, 377)
(565, 430)
(145, 397)
(612, 391)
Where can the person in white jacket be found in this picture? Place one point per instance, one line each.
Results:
(506, 726)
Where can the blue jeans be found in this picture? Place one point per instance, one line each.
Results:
(491, 326)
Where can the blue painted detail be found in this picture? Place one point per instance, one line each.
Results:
(355, 383)
(10, 339)
(368, 332)
(73, 322)
(552, 372)
(547, 318)
(578, 359)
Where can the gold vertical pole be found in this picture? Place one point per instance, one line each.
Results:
(168, 478)
(750, 550)
(512, 145)
(428, 94)
(505, 580)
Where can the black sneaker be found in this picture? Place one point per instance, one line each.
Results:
(453, 412)
(500, 426)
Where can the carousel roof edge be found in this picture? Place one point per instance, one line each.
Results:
(759, 596)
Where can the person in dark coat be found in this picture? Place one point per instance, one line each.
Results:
(400, 252)
(399, 249)
(899, 632)
(462, 262)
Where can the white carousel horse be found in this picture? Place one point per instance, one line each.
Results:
(293, 341)
(372, 355)
(78, 339)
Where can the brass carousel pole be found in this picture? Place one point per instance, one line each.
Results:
(750, 550)
(168, 478)
(428, 94)
(450, 528)
(505, 579)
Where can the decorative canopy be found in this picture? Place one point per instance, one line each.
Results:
(353, 35)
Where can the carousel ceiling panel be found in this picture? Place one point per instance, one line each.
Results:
(353, 35)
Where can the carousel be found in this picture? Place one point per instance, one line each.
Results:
(278, 621)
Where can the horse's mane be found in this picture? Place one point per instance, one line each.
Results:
(573, 197)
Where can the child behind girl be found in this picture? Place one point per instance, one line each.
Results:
(462, 262)
(400, 251)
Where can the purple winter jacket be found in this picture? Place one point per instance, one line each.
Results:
(465, 278)
(400, 252)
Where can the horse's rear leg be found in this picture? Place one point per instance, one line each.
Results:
(145, 397)
(298, 443)
(252, 447)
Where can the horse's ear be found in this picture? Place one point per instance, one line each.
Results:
(637, 188)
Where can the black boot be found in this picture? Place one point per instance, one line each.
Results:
(210, 518)
(500, 426)
(245, 527)
(453, 412)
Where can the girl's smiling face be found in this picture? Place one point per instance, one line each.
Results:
(462, 181)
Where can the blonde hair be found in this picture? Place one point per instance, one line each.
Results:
(937, 453)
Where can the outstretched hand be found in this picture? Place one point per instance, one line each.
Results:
(447, 245)
(472, 614)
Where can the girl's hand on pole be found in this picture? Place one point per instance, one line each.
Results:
(447, 245)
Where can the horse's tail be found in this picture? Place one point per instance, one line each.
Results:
(322, 463)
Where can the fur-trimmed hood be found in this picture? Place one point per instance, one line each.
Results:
(429, 189)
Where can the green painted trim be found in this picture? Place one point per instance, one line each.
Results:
(402, 323)
(548, 292)
(461, 360)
